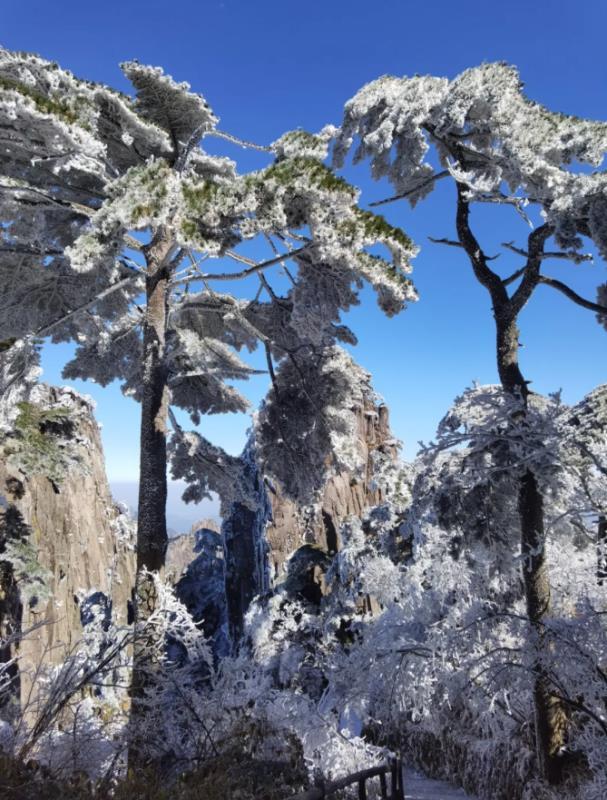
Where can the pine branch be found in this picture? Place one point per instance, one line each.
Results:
(245, 273)
(531, 275)
(45, 330)
(428, 182)
(577, 258)
(574, 296)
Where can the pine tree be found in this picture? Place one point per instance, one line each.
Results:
(112, 217)
(499, 147)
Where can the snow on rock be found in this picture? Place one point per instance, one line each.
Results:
(201, 587)
(67, 540)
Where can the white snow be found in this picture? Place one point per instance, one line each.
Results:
(418, 787)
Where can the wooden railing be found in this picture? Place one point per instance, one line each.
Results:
(392, 770)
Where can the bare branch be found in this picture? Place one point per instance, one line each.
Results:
(245, 273)
(228, 137)
(275, 250)
(574, 296)
(26, 250)
(577, 258)
(449, 242)
(515, 276)
(531, 275)
(504, 199)
(271, 369)
(22, 186)
(489, 279)
(432, 179)
(453, 243)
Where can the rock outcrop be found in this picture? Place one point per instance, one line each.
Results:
(65, 541)
(182, 549)
(344, 494)
(201, 586)
(245, 547)
(259, 543)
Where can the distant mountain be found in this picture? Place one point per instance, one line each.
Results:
(180, 517)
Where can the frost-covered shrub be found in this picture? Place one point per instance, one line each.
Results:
(36, 446)
(413, 635)
(73, 721)
(21, 554)
(420, 635)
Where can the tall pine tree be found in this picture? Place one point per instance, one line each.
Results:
(117, 226)
(498, 147)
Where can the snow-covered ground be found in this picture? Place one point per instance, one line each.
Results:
(418, 787)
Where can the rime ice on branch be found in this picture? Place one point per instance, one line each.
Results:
(498, 147)
(112, 214)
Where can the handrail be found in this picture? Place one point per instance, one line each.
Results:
(394, 768)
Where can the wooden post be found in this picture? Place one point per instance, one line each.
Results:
(362, 791)
(394, 779)
(384, 788)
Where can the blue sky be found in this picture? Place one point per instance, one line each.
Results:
(270, 66)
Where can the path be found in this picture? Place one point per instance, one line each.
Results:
(418, 787)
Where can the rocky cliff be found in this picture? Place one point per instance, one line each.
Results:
(64, 541)
(344, 493)
(182, 550)
(195, 564)
(202, 585)
(259, 543)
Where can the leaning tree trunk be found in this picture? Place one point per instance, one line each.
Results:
(550, 716)
(151, 518)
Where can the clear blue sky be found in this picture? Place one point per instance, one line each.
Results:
(272, 65)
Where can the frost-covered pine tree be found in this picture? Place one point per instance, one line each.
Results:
(499, 147)
(112, 217)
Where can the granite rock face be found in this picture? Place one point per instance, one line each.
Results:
(182, 550)
(245, 547)
(70, 543)
(202, 585)
(344, 494)
(281, 543)
(195, 565)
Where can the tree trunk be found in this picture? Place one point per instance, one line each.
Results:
(507, 343)
(10, 627)
(601, 551)
(151, 515)
(151, 518)
(550, 716)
